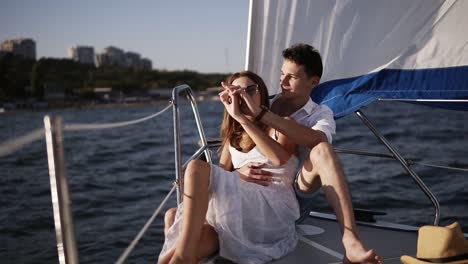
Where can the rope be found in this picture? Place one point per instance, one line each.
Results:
(383, 155)
(12, 145)
(135, 241)
(440, 166)
(79, 127)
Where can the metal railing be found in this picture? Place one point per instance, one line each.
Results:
(176, 92)
(404, 164)
(60, 193)
(64, 230)
(63, 220)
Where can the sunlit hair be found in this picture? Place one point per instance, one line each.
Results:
(306, 55)
(231, 130)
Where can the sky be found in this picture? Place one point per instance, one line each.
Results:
(207, 36)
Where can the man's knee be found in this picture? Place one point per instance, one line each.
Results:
(322, 151)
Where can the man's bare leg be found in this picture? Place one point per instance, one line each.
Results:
(323, 169)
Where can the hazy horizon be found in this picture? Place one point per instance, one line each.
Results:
(205, 36)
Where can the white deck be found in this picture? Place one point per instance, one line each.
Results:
(320, 241)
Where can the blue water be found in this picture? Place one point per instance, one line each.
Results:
(118, 177)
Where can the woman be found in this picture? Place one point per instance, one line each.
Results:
(246, 222)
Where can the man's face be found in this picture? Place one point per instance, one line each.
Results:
(294, 81)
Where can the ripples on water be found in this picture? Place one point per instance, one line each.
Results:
(118, 177)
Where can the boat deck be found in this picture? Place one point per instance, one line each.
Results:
(320, 241)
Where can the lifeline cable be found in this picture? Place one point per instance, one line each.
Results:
(140, 234)
(12, 145)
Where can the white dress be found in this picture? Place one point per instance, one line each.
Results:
(255, 224)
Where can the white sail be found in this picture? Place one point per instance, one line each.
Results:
(357, 37)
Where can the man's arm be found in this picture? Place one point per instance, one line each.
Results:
(290, 129)
(300, 134)
(251, 172)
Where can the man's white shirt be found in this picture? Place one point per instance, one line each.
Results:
(315, 116)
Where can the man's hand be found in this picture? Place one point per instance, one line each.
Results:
(252, 172)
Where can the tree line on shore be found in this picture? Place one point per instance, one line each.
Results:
(22, 78)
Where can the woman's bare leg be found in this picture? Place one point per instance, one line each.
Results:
(207, 246)
(195, 205)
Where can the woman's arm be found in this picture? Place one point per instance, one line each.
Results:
(225, 161)
(278, 152)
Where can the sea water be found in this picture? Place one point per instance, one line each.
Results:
(119, 176)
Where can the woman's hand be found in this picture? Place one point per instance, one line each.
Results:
(252, 109)
(231, 102)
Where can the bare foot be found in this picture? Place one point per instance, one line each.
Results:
(169, 218)
(356, 252)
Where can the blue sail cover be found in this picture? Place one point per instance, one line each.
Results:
(344, 96)
(371, 49)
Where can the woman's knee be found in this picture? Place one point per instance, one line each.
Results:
(197, 170)
(195, 166)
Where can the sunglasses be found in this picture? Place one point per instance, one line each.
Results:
(251, 89)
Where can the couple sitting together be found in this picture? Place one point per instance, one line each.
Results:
(246, 208)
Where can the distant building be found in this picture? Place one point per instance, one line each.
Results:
(111, 56)
(132, 59)
(146, 64)
(22, 47)
(82, 54)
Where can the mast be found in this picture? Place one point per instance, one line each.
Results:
(248, 64)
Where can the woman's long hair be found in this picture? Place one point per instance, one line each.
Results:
(231, 130)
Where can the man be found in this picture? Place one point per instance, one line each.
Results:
(312, 130)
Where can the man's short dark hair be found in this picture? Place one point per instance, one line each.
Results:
(306, 55)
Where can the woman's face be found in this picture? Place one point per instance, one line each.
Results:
(251, 88)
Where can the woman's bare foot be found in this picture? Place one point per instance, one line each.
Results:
(356, 252)
(169, 218)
